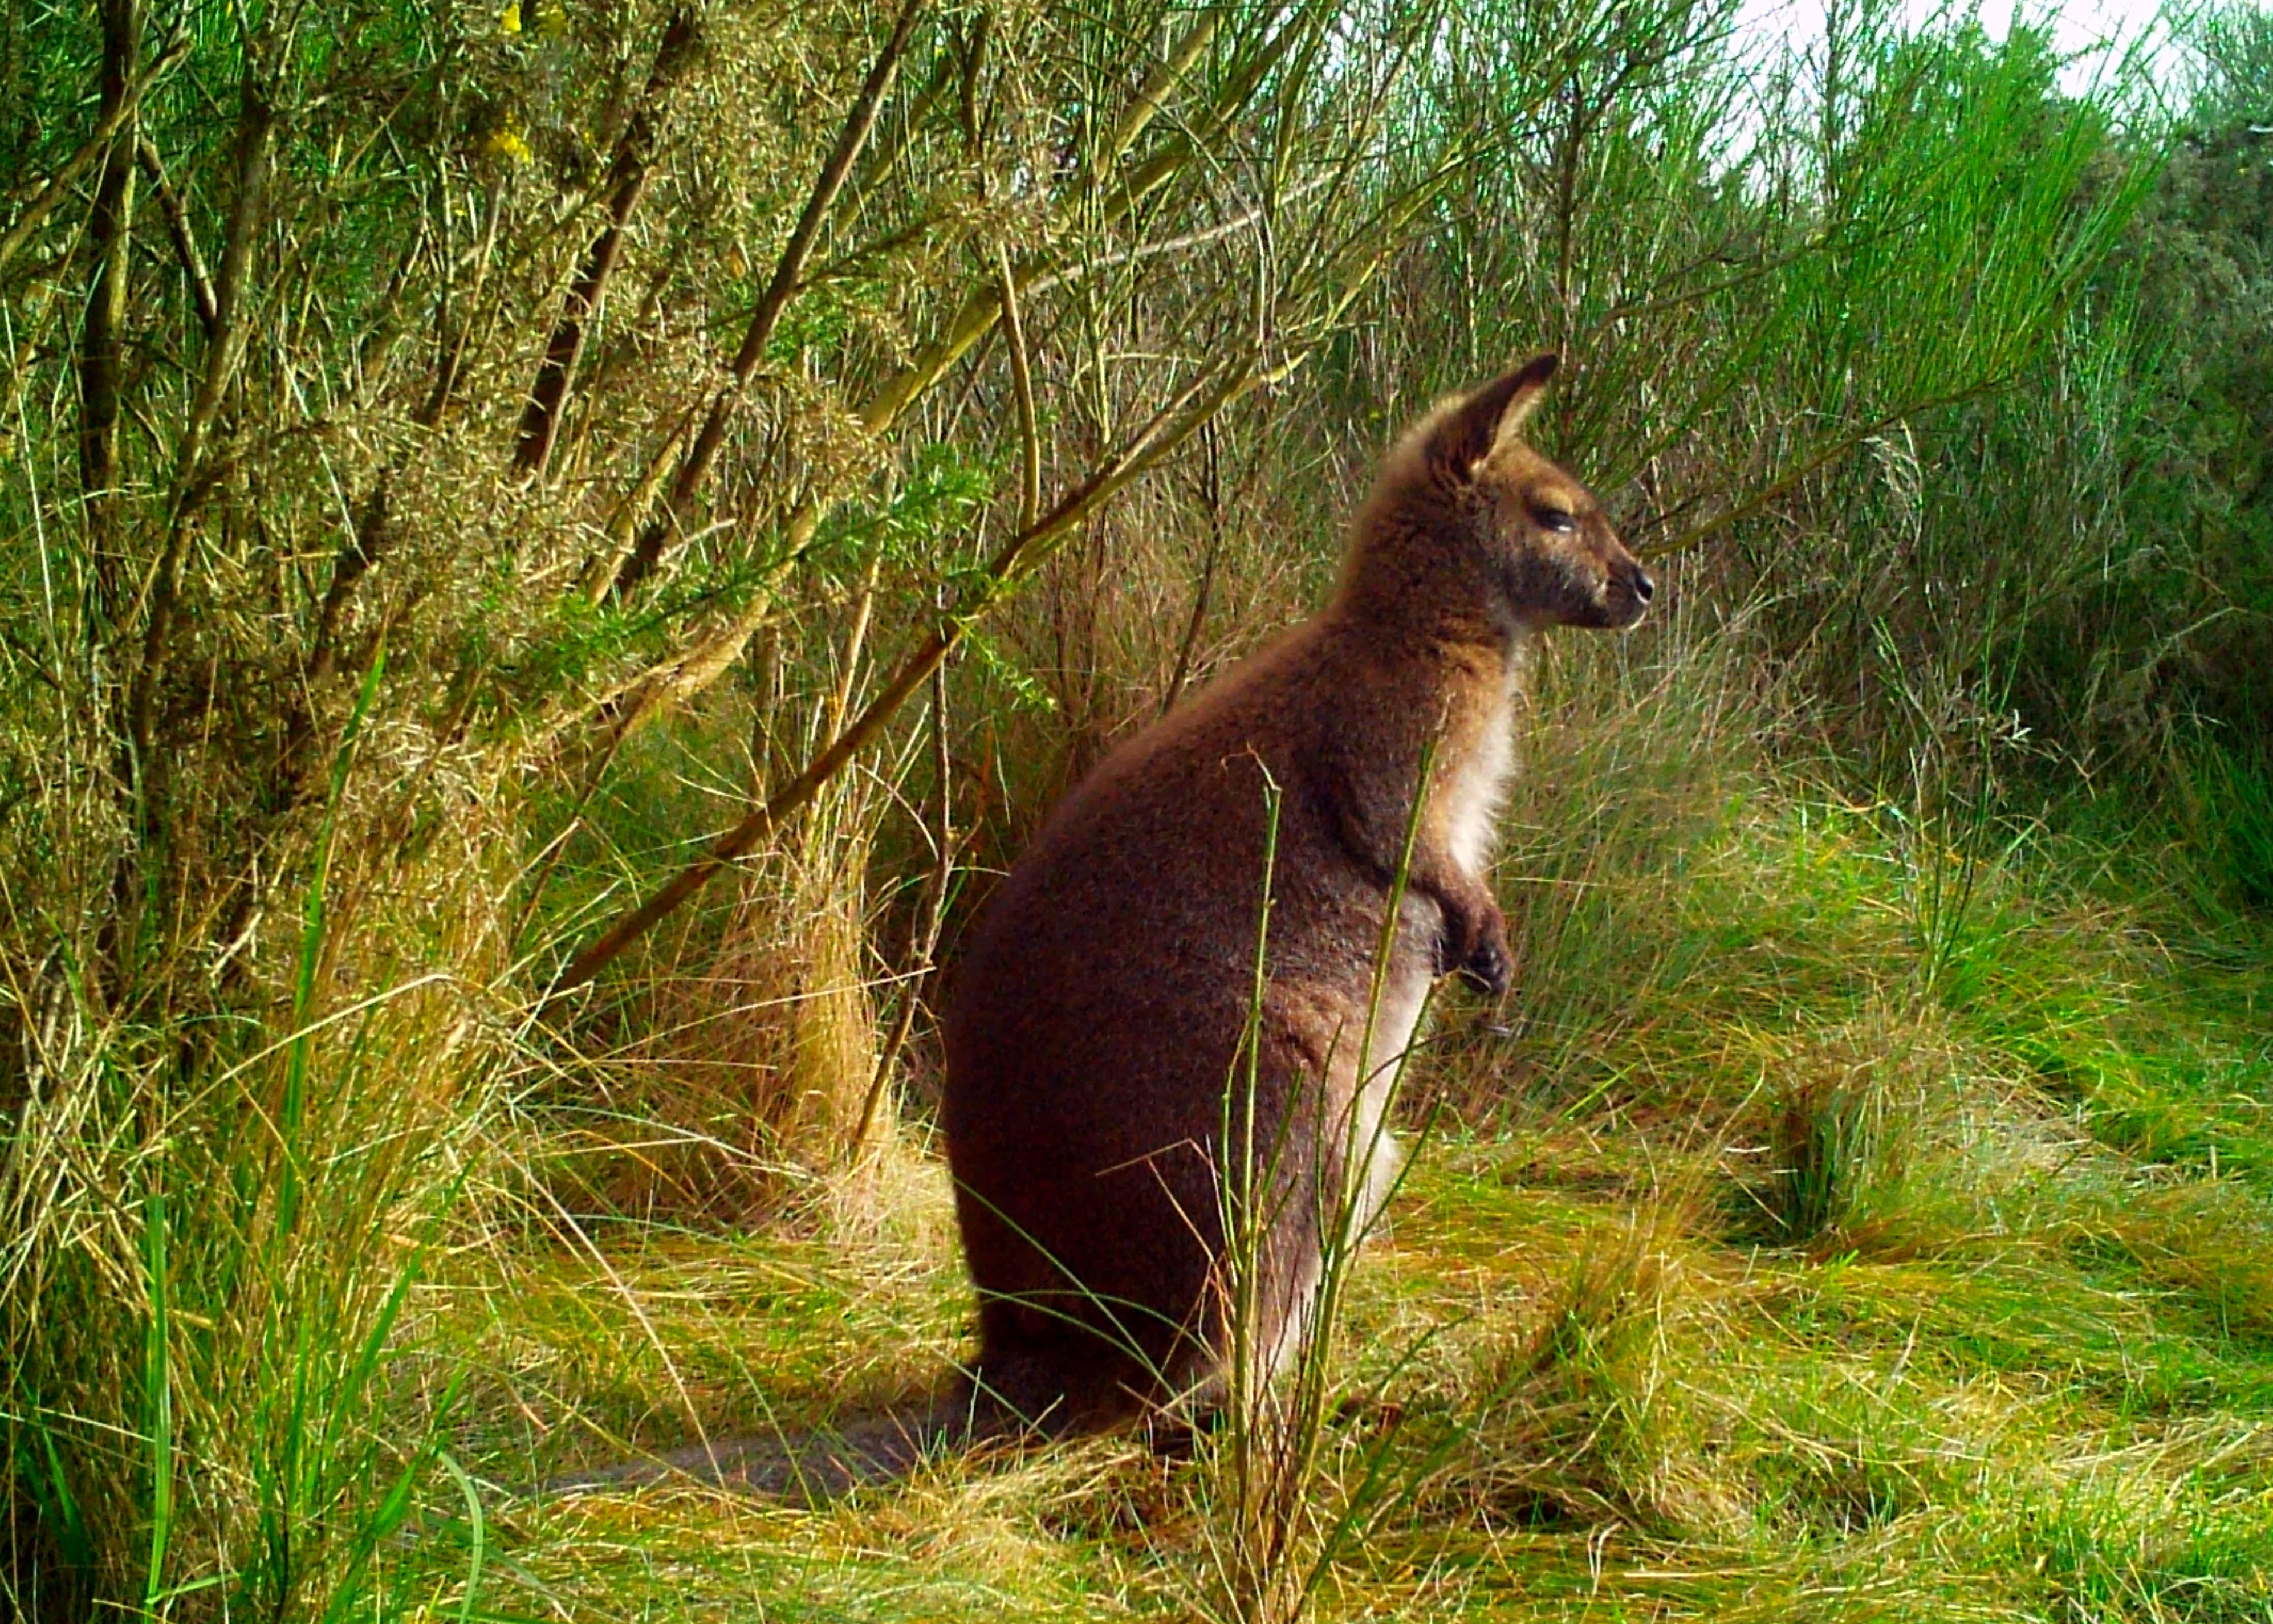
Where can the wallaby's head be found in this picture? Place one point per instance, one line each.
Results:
(1466, 502)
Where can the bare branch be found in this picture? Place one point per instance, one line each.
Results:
(627, 172)
(694, 469)
(934, 912)
(255, 132)
(1163, 78)
(185, 240)
(1022, 379)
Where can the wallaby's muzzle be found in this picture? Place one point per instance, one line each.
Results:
(1631, 591)
(1626, 588)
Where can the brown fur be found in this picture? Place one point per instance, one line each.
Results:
(1100, 1007)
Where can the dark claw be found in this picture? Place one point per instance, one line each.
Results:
(1488, 969)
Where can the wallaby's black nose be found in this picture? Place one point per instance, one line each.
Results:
(1644, 588)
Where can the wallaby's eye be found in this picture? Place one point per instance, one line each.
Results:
(1555, 518)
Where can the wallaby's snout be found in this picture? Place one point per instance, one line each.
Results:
(1626, 584)
(1610, 587)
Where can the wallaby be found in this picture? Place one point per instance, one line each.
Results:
(1106, 1000)
(1098, 1016)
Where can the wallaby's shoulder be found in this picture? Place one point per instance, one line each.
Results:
(1263, 712)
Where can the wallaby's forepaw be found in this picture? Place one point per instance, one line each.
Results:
(1489, 966)
(1474, 946)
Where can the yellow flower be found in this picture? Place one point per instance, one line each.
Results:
(506, 142)
(510, 21)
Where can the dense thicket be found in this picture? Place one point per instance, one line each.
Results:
(459, 457)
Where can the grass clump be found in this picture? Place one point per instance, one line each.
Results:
(1839, 1121)
(1831, 1144)
(227, 1250)
(1587, 1418)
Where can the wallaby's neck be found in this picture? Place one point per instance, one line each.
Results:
(1455, 636)
(1416, 588)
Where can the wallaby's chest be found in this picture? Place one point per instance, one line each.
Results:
(1473, 787)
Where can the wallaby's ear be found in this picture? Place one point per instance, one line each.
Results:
(1491, 414)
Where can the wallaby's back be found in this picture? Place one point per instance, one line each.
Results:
(1103, 1001)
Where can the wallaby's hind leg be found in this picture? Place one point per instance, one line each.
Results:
(1038, 1373)
(1075, 1384)
(1261, 1295)
(1120, 1278)
(1093, 1276)
(1062, 1363)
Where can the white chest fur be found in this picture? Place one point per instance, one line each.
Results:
(1472, 793)
(1467, 817)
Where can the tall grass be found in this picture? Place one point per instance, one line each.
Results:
(1282, 1503)
(218, 1395)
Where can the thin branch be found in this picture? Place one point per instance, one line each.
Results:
(627, 172)
(694, 469)
(185, 240)
(1212, 499)
(255, 133)
(599, 577)
(934, 909)
(1022, 379)
(1230, 226)
(100, 358)
(863, 259)
(455, 315)
(1163, 78)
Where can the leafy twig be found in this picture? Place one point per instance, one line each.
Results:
(1017, 559)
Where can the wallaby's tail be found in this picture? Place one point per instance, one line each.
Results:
(1019, 1395)
(820, 1464)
